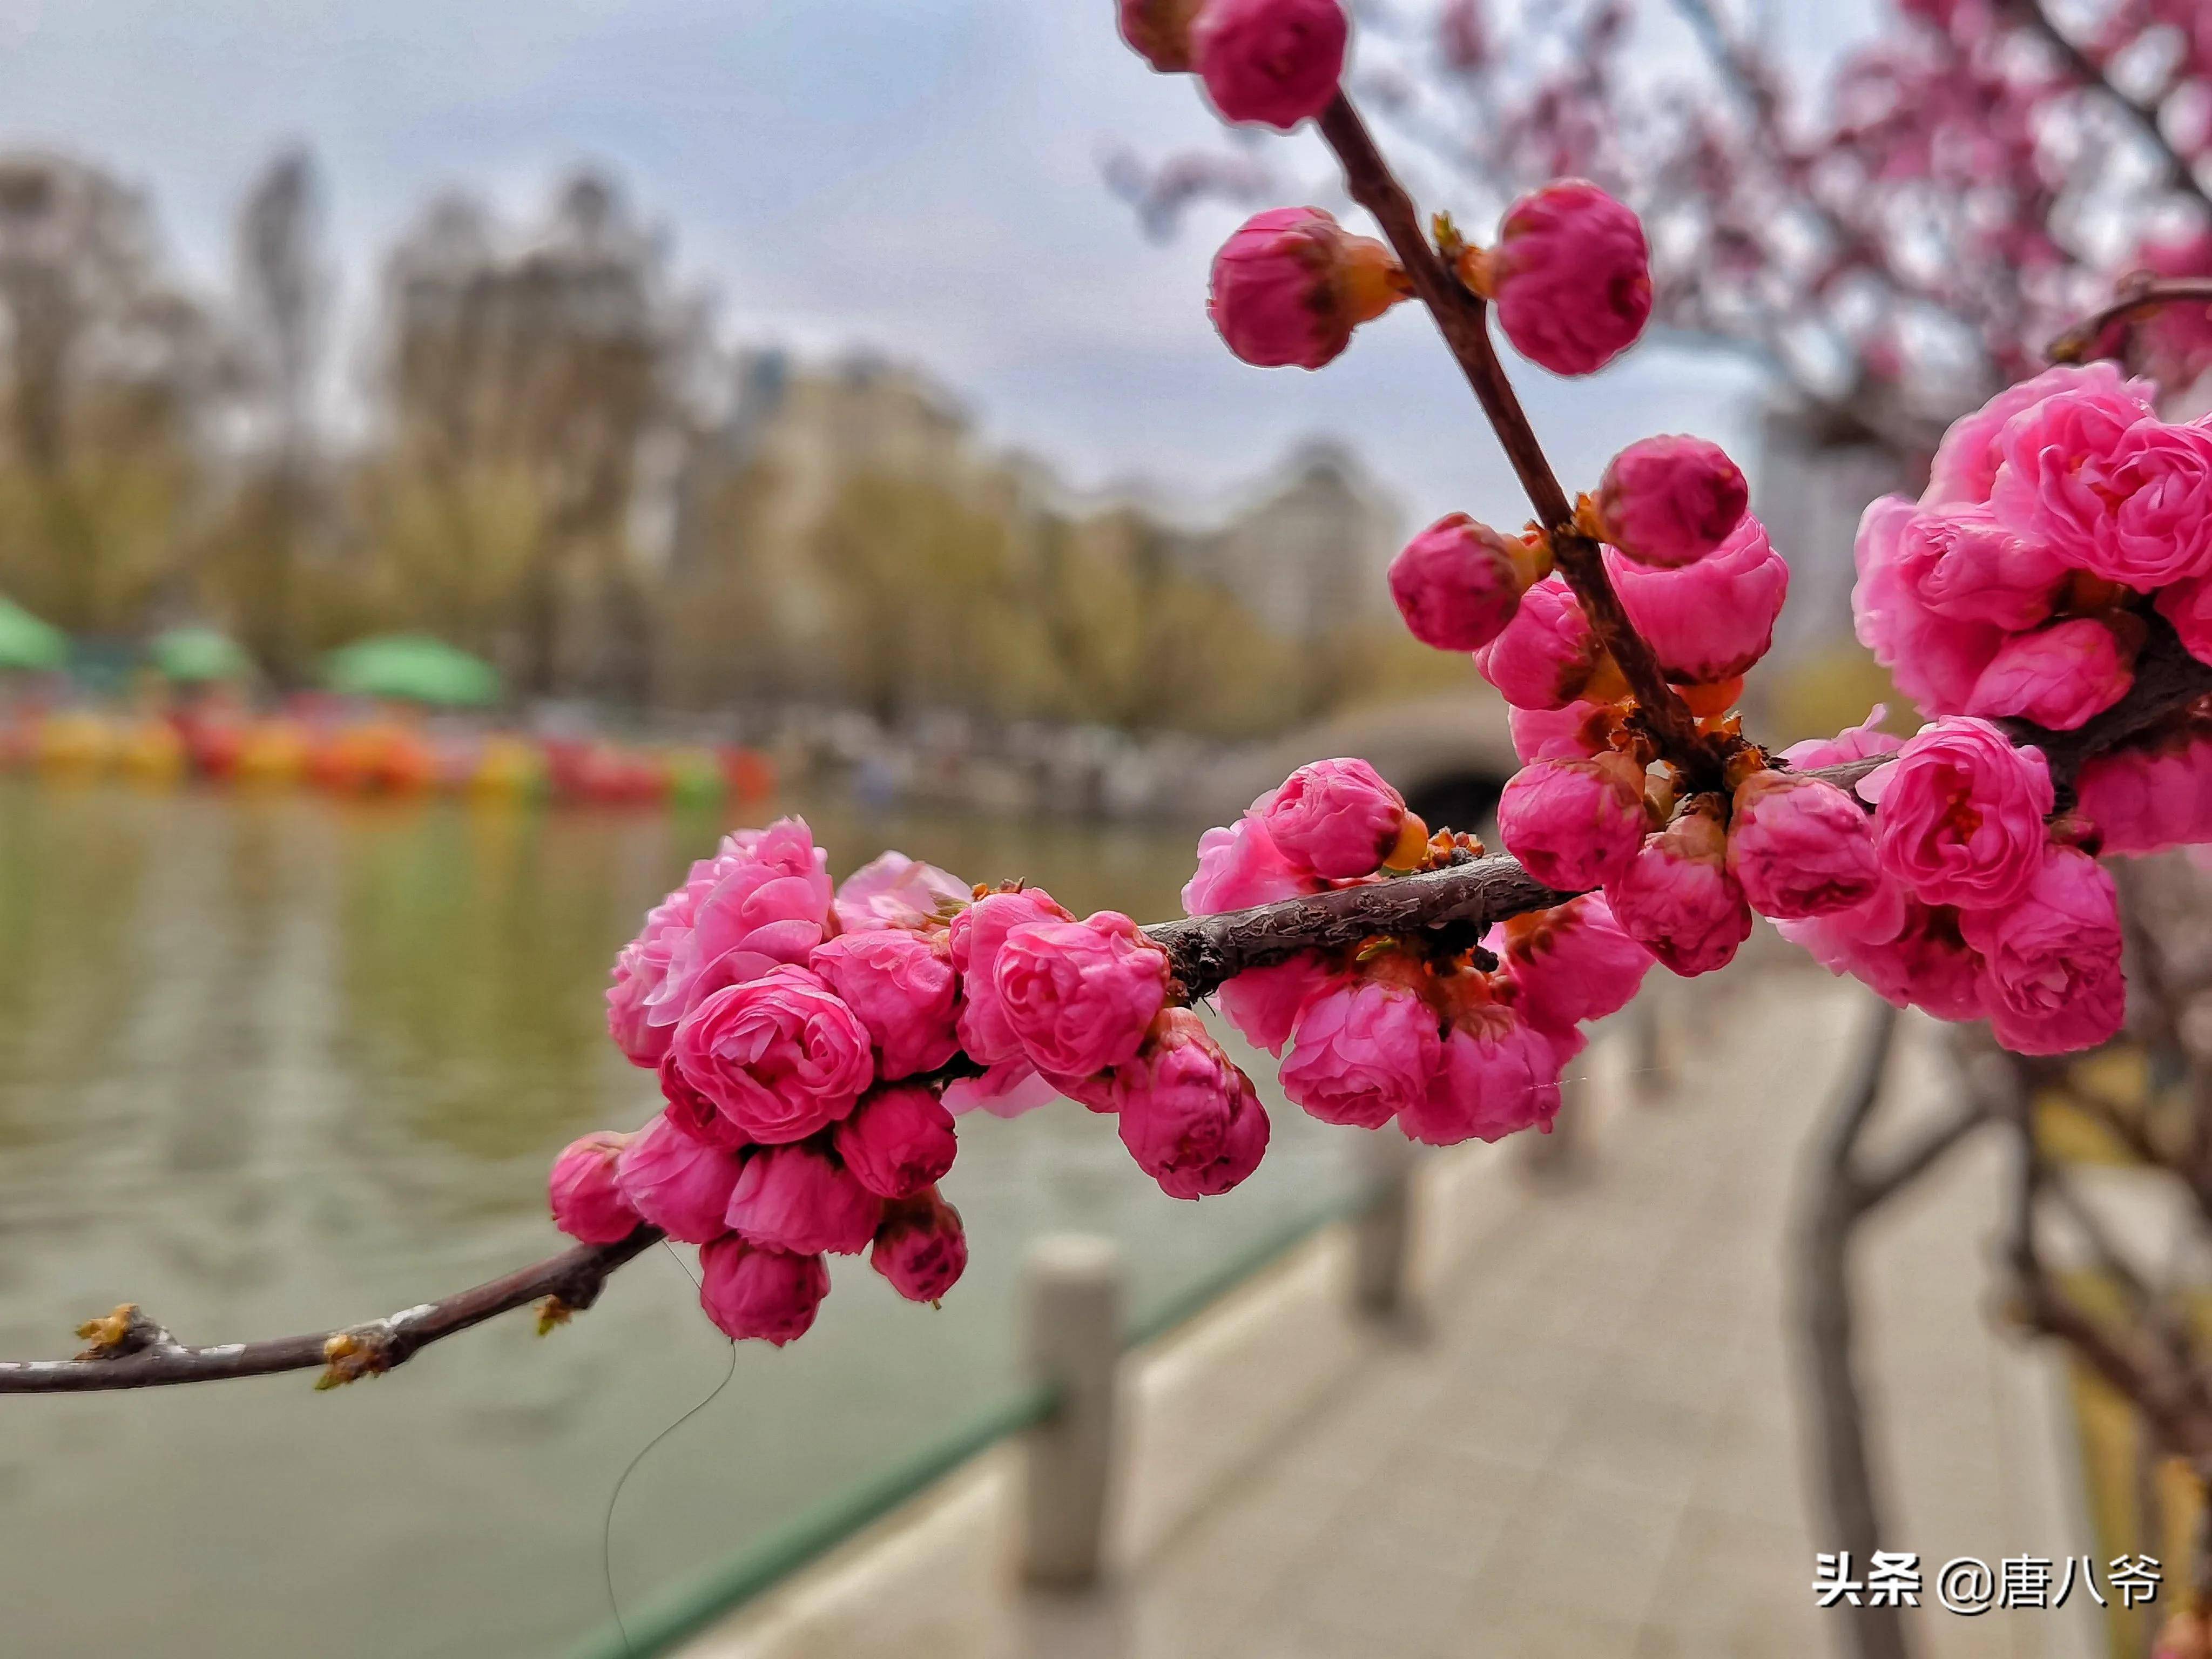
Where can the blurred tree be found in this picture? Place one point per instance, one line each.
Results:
(522, 387)
(253, 559)
(108, 368)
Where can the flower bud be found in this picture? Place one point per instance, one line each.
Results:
(679, 1184)
(975, 937)
(1711, 621)
(2054, 957)
(900, 986)
(1677, 898)
(1458, 583)
(1548, 656)
(765, 1294)
(1570, 963)
(1276, 62)
(587, 1204)
(1800, 847)
(1574, 824)
(898, 1141)
(1291, 285)
(1362, 1052)
(1179, 1099)
(1243, 1143)
(1571, 278)
(1496, 1074)
(2060, 675)
(801, 1199)
(1337, 817)
(921, 1247)
(1670, 501)
(1159, 31)
(1575, 733)
(1078, 996)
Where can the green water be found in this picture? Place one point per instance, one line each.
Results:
(276, 1064)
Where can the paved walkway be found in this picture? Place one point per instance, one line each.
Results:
(1592, 1451)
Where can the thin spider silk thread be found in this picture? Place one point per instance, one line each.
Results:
(607, 1524)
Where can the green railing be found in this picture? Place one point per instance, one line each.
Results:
(665, 1621)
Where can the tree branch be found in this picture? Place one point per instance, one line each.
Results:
(129, 1351)
(1463, 319)
(2137, 299)
(2038, 17)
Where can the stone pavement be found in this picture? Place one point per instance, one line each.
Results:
(1591, 1449)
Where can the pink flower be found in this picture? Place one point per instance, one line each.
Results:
(587, 1204)
(2188, 605)
(780, 1056)
(1570, 963)
(901, 986)
(1800, 847)
(1290, 284)
(2107, 488)
(1967, 461)
(1670, 501)
(641, 971)
(1711, 621)
(1579, 730)
(1548, 656)
(898, 1141)
(1960, 814)
(1852, 743)
(1078, 996)
(1496, 1074)
(976, 935)
(1678, 900)
(1159, 31)
(760, 1293)
(800, 1198)
(1264, 1003)
(1243, 1143)
(768, 906)
(1336, 818)
(921, 1248)
(693, 1113)
(1364, 1052)
(1572, 277)
(1458, 583)
(1574, 824)
(1963, 565)
(1177, 1099)
(1275, 62)
(2054, 957)
(893, 891)
(1914, 959)
(2155, 794)
(1240, 866)
(678, 1184)
(1934, 660)
(2058, 677)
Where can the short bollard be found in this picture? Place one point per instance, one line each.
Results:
(1071, 1304)
(1383, 1230)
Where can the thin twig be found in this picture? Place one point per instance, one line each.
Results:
(2137, 299)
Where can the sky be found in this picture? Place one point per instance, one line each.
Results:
(919, 177)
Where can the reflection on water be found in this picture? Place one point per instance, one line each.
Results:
(269, 1064)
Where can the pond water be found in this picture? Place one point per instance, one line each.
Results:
(274, 1064)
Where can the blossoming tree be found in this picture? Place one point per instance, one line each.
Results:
(2047, 601)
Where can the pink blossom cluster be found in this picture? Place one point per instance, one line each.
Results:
(814, 1044)
(1450, 1043)
(1984, 906)
(2060, 521)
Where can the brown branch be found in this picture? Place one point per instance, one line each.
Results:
(2137, 298)
(132, 1352)
(1463, 319)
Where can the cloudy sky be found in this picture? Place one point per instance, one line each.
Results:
(920, 176)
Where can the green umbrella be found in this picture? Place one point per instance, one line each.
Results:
(194, 656)
(414, 667)
(26, 642)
